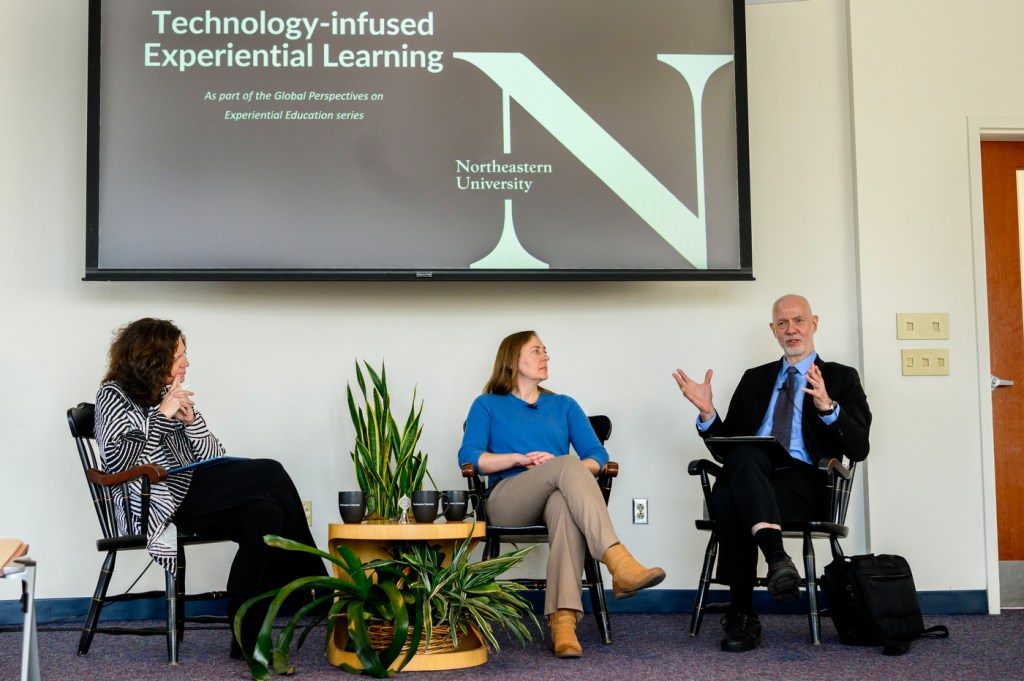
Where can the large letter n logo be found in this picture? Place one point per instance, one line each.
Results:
(683, 229)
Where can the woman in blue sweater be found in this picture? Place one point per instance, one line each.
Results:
(518, 434)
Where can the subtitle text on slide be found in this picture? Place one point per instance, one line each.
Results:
(292, 96)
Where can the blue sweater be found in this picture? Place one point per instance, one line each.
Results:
(504, 424)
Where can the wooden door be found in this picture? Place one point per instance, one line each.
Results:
(1000, 162)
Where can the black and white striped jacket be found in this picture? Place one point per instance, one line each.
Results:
(129, 434)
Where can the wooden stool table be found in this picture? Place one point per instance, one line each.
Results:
(370, 540)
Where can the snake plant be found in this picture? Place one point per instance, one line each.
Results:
(387, 464)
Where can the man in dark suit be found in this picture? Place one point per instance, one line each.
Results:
(816, 410)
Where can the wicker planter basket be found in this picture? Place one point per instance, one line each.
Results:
(381, 636)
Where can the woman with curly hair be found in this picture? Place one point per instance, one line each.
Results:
(144, 415)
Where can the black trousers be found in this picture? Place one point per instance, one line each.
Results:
(753, 490)
(242, 501)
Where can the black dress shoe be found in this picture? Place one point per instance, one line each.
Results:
(742, 632)
(783, 580)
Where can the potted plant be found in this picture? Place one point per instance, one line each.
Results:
(460, 596)
(416, 593)
(387, 464)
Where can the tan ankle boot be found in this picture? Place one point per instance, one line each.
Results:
(563, 634)
(629, 576)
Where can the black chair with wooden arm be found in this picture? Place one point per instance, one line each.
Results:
(840, 483)
(538, 534)
(81, 422)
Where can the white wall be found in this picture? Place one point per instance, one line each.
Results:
(270, 361)
(920, 68)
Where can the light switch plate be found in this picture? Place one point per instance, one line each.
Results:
(932, 362)
(922, 325)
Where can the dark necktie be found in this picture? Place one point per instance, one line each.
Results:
(782, 417)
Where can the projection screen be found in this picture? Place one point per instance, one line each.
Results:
(417, 139)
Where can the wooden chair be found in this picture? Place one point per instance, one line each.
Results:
(840, 482)
(80, 420)
(538, 534)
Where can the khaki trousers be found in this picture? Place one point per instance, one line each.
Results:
(564, 495)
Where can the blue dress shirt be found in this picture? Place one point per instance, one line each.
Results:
(796, 449)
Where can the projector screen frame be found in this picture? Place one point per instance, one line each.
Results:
(95, 272)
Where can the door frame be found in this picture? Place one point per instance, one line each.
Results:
(979, 129)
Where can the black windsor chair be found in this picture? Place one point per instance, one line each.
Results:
(81, 422)
(538, 534)
(840, 483)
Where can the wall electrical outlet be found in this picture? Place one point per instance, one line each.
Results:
(307, 508)
(640, 511)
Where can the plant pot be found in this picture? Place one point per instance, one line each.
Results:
(381, 636)
(471, 652)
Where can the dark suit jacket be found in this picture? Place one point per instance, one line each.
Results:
(848, 436)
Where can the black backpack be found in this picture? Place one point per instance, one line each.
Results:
(873, 602)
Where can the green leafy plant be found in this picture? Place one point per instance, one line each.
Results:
(387, 464)
(411, 592)
(359, 599)
(461, 594)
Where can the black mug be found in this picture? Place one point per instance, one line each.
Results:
(352, 505)
(424, 505)
(460, 504)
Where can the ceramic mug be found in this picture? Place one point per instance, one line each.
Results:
(424, 505)
(460, 504)
(352, 505)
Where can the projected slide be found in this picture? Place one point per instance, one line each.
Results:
(400, 139)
